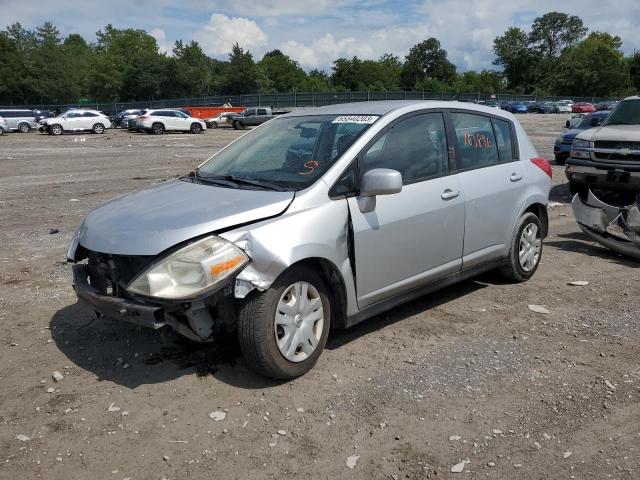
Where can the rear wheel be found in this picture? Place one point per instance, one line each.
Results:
(195, 128)
(157, 128)
(55, 129)
(24, 128)
(283, 331)
(98, 128)
(213, 125)
(526, 249)
(1, 131)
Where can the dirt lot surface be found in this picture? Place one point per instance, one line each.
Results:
(469, 374)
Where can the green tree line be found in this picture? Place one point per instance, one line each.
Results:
(556, 57)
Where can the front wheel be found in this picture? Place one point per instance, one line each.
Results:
(238, 125)
(55, 129)
(526, 249)
(195, 128)
(98, 128)
(283, 331)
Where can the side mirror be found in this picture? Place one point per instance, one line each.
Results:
(379, 181)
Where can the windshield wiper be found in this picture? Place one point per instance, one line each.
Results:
(229, 180)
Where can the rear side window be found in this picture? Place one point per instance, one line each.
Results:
(89, 114)
(504, 140)
(8, 114)
(262, 111)
(415, 146)
(476, 141)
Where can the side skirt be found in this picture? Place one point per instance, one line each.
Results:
(389, 303)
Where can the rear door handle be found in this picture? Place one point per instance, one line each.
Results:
(515, 177)
(448, 194)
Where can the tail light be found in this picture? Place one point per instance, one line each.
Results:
(543, 165)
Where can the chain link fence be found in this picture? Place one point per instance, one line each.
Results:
(301, 100)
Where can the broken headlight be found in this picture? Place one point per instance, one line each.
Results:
(191, 270)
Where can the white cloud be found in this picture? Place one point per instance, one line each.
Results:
(219, 35)
(325, 49)
(161, 39)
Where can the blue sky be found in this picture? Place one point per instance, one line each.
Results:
(318, 31)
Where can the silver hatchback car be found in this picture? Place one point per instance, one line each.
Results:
(319, 219)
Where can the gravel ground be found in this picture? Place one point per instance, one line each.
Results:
(465, 379)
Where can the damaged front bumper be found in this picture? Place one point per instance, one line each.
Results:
(617, 228)
(197, 320)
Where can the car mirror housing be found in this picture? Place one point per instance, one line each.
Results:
(379, 181)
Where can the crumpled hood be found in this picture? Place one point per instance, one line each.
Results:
(619, 133)
(149, 221)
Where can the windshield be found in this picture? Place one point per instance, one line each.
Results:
(626, 113)
(585, 122)
(288, 152)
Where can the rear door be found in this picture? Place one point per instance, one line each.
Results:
(492, 180)
(87, 120)
(415, 236)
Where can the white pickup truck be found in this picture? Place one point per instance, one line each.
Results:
(608, 157)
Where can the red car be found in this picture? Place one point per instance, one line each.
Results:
(583, 107)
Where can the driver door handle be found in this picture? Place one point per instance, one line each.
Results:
(448, 194)
(515, 177)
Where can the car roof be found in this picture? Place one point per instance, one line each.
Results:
(384, 107)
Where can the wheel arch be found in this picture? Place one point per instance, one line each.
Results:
(334, 281)
(539, 210)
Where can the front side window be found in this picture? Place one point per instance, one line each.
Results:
(416, 147)
(262, 111)
(476, 141)
(289, 152)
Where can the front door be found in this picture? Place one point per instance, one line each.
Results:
(415, 236)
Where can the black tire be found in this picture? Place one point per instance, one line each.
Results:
(256, 329)
(513, 270)
(55, 129)
(213, 125)
(157, 129)
(1, 131)
(98, 128)
(24, 128)
(195, 128)
(560, 160)
(238, 125)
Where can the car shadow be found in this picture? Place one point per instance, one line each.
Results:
(132, 356)
(339, 338)
(578, 242)
(560, 193)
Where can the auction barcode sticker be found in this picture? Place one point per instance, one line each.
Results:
(368, 119)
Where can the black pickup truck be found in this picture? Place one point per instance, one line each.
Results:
(254, 116)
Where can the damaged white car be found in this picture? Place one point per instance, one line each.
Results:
(319, 219)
